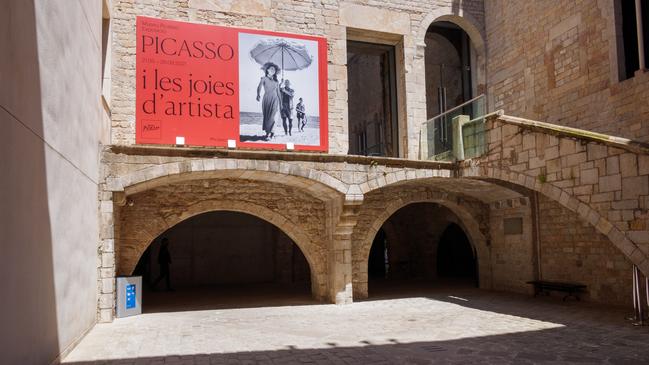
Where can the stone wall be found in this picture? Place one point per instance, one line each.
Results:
(604, 180)
(512, 251)
(573, 251)
(405, 21)
(556, 61)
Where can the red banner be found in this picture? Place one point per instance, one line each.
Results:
(205, 85)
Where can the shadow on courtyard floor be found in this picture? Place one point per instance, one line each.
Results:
(544, 308)
(550, 309)
(561, 345)
(578, 332)
(226, 297)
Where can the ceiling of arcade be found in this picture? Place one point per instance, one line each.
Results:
(481, 190)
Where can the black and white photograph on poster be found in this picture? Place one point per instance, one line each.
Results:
(278, 90)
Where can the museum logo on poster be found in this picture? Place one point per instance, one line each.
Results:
(211, 84)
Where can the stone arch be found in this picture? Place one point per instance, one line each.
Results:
(398, 177)
(315, 181)
(473, 28)
(465, 220)
(462, 19)
(317, 261)
(567, 200)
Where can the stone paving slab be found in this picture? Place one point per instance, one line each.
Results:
(447, 327)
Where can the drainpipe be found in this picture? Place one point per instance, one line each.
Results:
(537, 234)
(638, 24)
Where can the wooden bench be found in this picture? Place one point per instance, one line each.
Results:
(542, 286)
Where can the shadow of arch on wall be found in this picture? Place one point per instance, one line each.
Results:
(464, 220)
(567, 200)
(317, 262)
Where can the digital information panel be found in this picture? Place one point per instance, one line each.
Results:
(130, 296)
(205, 85)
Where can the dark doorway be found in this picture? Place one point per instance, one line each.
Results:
(628, 49)
(455, 256)
(372, 99)
(224, 259)
(378, 262)
(420, 249)
(448, 81)
(448, 67)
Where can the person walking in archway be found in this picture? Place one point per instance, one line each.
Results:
(164, 260)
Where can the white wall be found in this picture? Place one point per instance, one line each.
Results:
(50, 118)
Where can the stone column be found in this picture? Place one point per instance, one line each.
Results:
(340, 254)
(106, 259)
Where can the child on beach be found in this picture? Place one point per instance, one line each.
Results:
(300, 111)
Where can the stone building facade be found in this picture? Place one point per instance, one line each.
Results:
(559, 62)
(572, 205)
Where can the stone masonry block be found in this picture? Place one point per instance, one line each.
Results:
(106, 301)
(625, 204)
(596, 151)
(643, 164)
(628, 165)
(106, 315)
(575, 159)
(613, 165)
(107, 285)
(604, 226)
(632, 187)
(590, 176)
(567, 147)
(610, 183)
(108, 259)
(106, 207)
(551, 152)
(639, 236)
(529, 141)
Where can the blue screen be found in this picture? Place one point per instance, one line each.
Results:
(130, 296)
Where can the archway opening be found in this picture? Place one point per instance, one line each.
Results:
(456, 258)
(223, 259)
(378, 263)
(421, 247)
(450, 79)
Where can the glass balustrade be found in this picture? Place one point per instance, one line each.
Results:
(456, 134)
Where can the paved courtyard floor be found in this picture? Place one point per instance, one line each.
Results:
(440, 326)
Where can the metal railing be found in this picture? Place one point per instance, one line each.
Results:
(439, 135)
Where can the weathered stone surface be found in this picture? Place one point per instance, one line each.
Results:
(245, 7)
(632, 187)
(540, 67)
(372, 18)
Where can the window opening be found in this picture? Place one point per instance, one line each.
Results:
(371, 75)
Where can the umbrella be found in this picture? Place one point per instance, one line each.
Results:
(291, 55)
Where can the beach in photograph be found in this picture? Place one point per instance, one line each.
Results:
(250, 130)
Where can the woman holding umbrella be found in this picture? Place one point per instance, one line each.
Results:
(292, 56)
(270, 102)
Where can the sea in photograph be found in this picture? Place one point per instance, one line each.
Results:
(250, 130)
